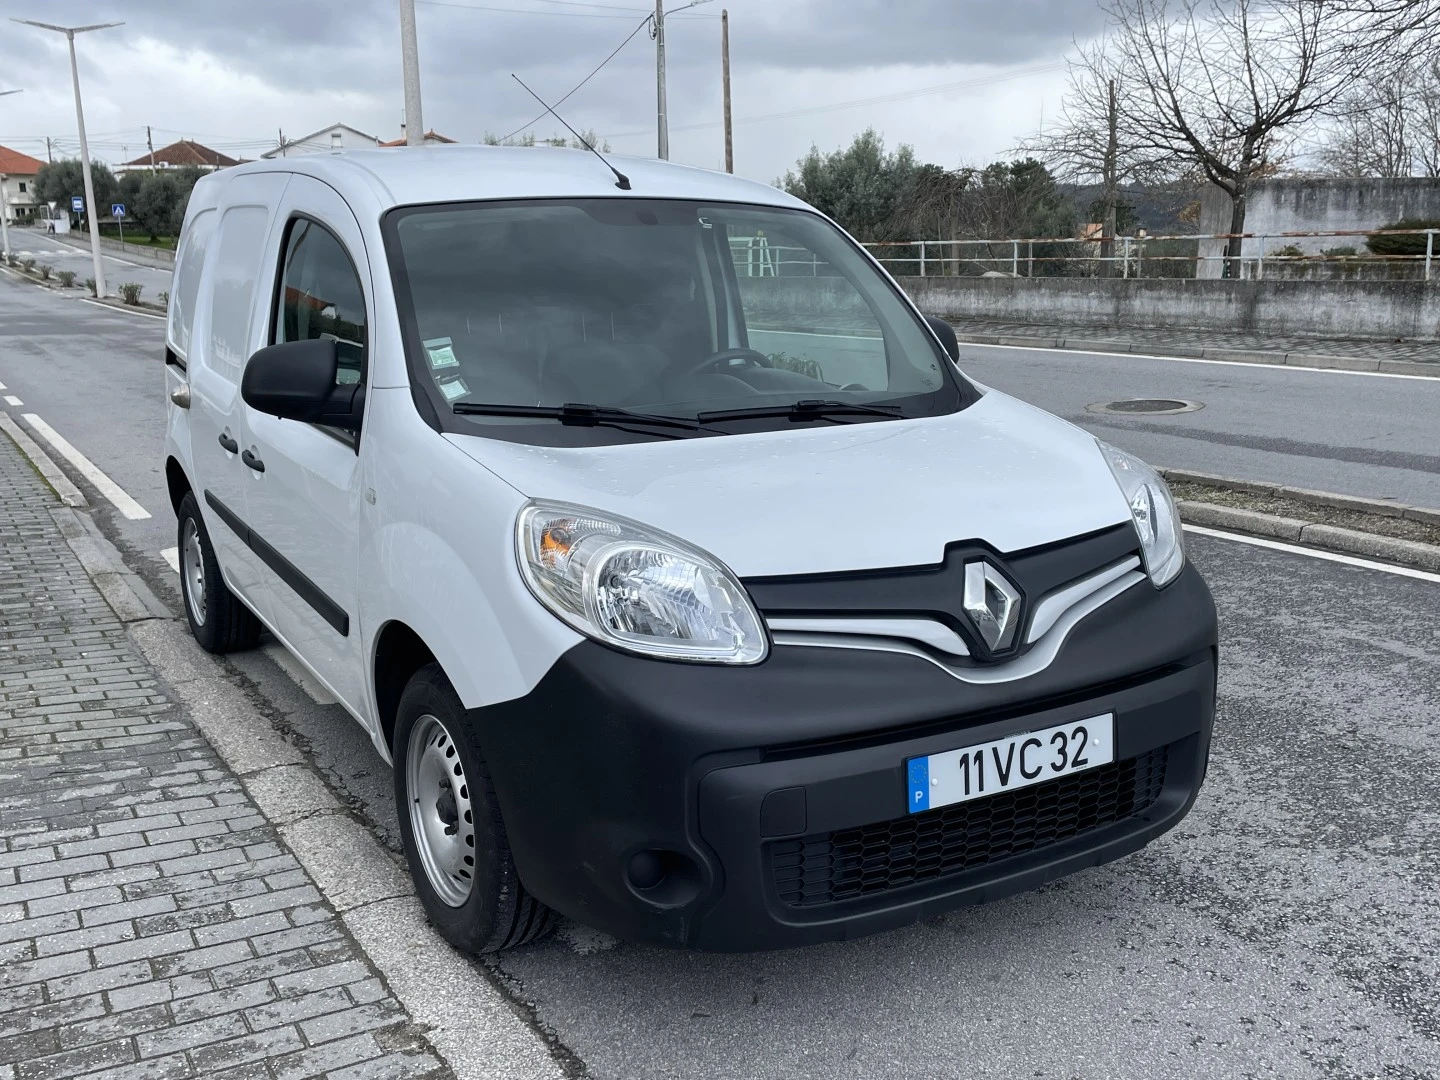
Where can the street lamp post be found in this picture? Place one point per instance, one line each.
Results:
(662, 108)
(4, 208)
(70, 32)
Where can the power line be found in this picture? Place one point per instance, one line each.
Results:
(628, 38)
(533, 11)
(881, 99)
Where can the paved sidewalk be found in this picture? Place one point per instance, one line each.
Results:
(152, 925)
(1194, 342)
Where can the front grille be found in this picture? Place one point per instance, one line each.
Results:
(827, 868)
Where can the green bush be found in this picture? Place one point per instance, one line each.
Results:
(28, 265)
(130, 292)
(1411, 244)
(67, 278)
(1289, 251)
(1336, 252)
(90, 284)
(164, 298)
(45, 272)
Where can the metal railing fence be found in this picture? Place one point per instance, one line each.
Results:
(1149, 256)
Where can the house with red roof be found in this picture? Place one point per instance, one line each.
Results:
(17, 181)
(177, 154)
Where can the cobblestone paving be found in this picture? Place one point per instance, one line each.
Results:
(1418, 352)
(151, 924)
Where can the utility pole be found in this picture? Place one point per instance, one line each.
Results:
(661, 119)
(4, 204)
(410, 62)
(1112, 153)
(150, 142)
(725, 67)
(70, 32)
(281, 133)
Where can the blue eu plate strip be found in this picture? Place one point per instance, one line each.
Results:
(919, 770)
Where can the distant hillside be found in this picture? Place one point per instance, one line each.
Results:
(1158, 211)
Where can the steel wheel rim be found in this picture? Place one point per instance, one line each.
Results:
(441, 818)
(192, 568)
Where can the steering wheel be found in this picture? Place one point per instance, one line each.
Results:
(725, 356)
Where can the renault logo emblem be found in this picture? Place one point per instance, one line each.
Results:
(993, 605)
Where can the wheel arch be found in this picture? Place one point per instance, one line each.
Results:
(399, 653)
(176, 482)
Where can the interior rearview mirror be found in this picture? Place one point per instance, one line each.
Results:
(946, 333)
(295, 380)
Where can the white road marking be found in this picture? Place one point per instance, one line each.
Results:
(124, 310)
(2, 386)
(107, 487)
(13, 401)
(285, 660)
(172, 556)
(1074, 353)
(1327, 556)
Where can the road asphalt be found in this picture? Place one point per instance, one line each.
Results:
(45, 249)
(1288, 928)
(1357, 434)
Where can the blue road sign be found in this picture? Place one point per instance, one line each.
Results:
(77, 204)
(117, 210)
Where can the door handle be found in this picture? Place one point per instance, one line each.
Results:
(228, 443)
(251, 460)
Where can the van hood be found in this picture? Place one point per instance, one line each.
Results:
(831, 498)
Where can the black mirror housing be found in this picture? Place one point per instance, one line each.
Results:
(295, 380)
(946, 333)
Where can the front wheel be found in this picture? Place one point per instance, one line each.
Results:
(219, 621)
(450, 825)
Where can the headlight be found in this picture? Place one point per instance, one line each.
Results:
(1153, 507)
(636, 588)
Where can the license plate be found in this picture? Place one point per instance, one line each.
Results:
(1007, 764)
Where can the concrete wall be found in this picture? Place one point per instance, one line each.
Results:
(1314, 205)
(1362, 309)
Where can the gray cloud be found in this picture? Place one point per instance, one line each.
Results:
(787, 54)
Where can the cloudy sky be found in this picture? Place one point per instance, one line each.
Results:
(960, 80)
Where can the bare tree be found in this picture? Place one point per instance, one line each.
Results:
(1387, 124)
(1087, 144)
(1224, 87)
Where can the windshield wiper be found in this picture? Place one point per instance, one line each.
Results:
(583, 415)
(808, 409)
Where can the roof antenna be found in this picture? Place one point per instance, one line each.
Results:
(621, 180)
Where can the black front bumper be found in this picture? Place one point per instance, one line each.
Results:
(776, 794)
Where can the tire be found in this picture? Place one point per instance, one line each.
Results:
(219, 621)
(468, 886)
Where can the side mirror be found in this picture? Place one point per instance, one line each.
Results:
(295, 380)
(946, 333)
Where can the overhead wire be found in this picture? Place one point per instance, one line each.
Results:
(628, 38)
(881, 99)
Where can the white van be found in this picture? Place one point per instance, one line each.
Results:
(657, 540)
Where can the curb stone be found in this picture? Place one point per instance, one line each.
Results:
(475, 1027)
(1327, 537)
(1322, 361)
(1378, 507)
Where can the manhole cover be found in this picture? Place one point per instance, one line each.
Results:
(1146, 406)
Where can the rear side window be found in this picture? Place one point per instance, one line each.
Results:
(237, 265)
(186, 289)
(321, 297)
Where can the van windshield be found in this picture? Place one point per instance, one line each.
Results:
(663, 307)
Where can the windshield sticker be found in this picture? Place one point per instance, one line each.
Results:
(453, 389)
(441, 351)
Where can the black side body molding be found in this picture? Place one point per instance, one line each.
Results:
(287, 571)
